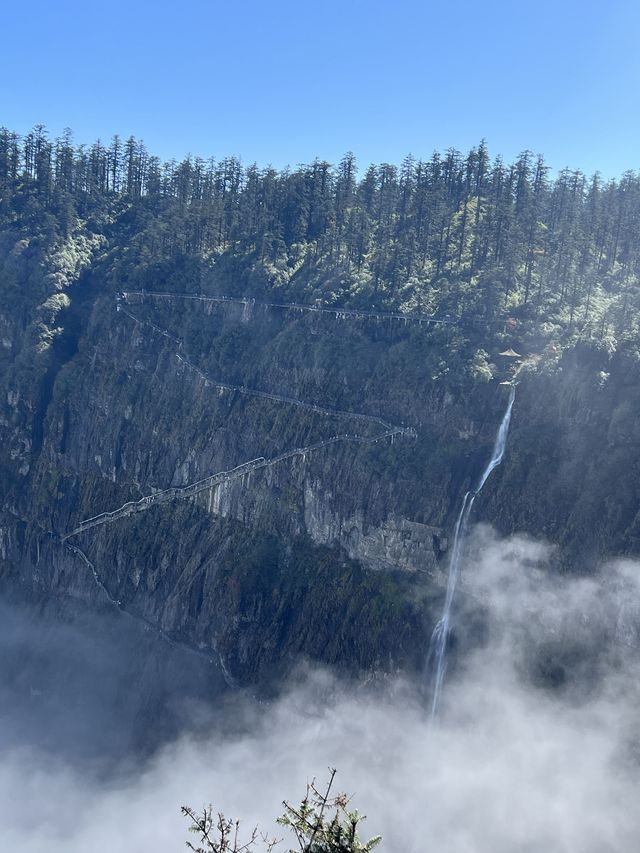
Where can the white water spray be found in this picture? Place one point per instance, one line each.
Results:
(438, 645)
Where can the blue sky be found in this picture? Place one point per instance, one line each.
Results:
(283, 82)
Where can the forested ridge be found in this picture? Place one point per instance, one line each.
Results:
(459, 235)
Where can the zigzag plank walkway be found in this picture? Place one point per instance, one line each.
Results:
(192, 489)
(255, 392)
(189, 491)
(338, 313)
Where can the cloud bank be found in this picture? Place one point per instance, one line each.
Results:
(537, 747)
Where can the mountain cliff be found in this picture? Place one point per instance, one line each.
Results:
(118, 385)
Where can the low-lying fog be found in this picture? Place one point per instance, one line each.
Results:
(511, 764)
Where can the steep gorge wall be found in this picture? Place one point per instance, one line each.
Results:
(286, 562)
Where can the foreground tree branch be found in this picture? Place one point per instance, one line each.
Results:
(321, 824)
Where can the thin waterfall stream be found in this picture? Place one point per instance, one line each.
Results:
(438, 645)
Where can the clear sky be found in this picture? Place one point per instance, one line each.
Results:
(282, 82)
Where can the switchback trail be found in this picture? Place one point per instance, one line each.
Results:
(255, 392)
(188, 491)
(180, 493)
(339, 313)
(212, 656)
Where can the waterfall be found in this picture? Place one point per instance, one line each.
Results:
(438, 646)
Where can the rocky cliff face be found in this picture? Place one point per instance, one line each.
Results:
(570, 476)
(335, 554)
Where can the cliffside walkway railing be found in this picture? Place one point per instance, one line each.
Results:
(192, 489)
(340, 313)
(147, 623)
(255, 392)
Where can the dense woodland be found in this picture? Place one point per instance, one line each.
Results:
(462, 235)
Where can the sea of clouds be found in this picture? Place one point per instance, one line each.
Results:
(511, 764)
